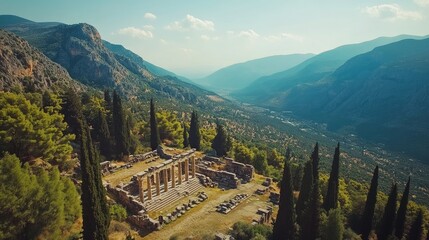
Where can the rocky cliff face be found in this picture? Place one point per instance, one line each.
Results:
(23, 66)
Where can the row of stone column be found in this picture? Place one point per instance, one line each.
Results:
(166, 175)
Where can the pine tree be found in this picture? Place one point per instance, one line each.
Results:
(119, 127)
(310, 227)
(315, 160)
(305, 191)
(185, 136)
(388, 220)
(402, 212)
(284, 228)
(219, 143)
(154, 132)
(103, 135)
(72, 110)
(371, 199)
(194, 132)
(95, 213)
(335, 225)
(416, 230)
(331, 199)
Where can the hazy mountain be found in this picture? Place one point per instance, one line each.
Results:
(80, 50)
(240, 75)
(382, 95)
(23, 66)
(269, 90)
(122, 51)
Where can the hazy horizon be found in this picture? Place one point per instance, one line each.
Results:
(194, 39)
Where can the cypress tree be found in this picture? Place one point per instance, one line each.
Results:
(72, 110)
(119, 127)
(194, 132)
(310, 227)
(103, 135)
(402, 212)
(154, 132)
(219, 143)
(185, 136)
(284, 228)
(95, 213)
(305, 191)
(335, 225)
(315, 160)
(371, 199)
(416, 230)
(388, 220)
(331, 199)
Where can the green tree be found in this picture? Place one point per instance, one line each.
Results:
(275, 158)
(331, 199)
(96, 218)
(335, 225)
(416, 230)
(387, 222)
(402, 212)
(220, 142)
(72, 110)
(194, 132)
(154, 132)
(306, 187)
(260, 161)
(119, 127)
(170, 128)
(103, 135)
(284, 228)
(185, 137)
(315, 159)
(29, 132)
(243, 154)
(310, 227)
(368, 213)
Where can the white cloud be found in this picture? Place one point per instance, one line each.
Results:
(150, 16)
(284, 36)
(187, 50)
(205, 37)
(163, 41)
(249, 34)
(191, 23)
(148, 27)
(136, 32)
(391, 12)
(423, 3)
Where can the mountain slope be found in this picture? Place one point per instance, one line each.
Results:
(23, 66)
(240, 75)
(122, 51)
(382, 95)
(269, 90)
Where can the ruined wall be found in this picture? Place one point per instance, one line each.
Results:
(223, 178)
(243, 171)
(122, 196)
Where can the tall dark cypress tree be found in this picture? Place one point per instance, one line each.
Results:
(219, 143)
(154, 131)
(371, 199)
(416, 230)
(402, 212)
(120, 127)
(331, 199)
(185, 136)
(284, 228)
(194, 132)
(310, 227)
(305, 191)
(315, 160)
(95, 213)
(72, 110)
(388, 220)
(103, 135)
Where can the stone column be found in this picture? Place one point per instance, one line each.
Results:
(168, 174)
(165, 179)
(149, 188)
(193, 166)
(141, 190)
(180, 173)
(157, 183)
(173, 179)
(186, 169)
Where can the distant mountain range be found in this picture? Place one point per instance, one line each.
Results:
(81, 51)
(240, 75)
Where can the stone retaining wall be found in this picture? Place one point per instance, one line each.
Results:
(223, 178)
(243, 171)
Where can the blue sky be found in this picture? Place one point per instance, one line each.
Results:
(194, 38)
